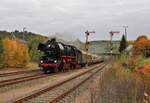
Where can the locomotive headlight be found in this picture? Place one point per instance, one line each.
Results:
(48, 45)
(41, 61)
(55, 61)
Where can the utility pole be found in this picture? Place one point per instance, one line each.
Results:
(87, 43)
(125, 31)
(111, 35)
(24, 33)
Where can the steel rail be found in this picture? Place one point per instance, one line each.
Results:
(14, 73)
(20, 80)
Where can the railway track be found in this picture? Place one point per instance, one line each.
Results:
(16, 73)
(55, 93)
(21, 79)
(17, 80)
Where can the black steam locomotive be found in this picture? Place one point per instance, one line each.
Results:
(61, 57)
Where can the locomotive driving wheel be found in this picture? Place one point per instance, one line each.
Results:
(55, 70)
(61, 68)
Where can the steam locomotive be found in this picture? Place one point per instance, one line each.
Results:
(59, 57)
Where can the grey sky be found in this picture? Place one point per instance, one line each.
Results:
(76, 16)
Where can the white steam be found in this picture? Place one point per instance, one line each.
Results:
(63, 36)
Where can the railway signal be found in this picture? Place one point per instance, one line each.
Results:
(87, 43)
(87, 35)
(111, 35)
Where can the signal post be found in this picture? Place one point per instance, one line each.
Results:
(87, 44)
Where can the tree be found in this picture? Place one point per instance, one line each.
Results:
(15, 54)
(123, 44)
(141, 37)
(141, 42)
(34, 53)
(142, 45)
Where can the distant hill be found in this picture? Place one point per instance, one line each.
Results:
(102, 46)
(28, 36)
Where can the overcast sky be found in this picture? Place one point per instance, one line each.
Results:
(74, 17)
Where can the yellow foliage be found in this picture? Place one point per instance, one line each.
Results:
(141, 45)
(16, 53)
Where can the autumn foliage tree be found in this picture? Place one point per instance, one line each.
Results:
(15, 54)
(141, 45)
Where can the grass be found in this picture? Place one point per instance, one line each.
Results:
(120, 72)
(144, 62)
(120, 62)
(32, 66)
